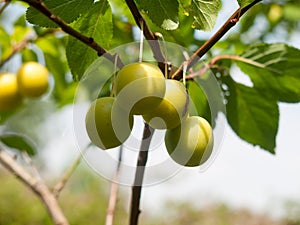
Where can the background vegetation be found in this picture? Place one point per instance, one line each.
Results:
(85, 198)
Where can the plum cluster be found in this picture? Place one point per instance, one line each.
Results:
(141, 89)
(31, 81)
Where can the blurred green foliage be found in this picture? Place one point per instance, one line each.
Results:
(84, 201)
(18, 205)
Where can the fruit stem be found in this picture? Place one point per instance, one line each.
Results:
(184, 73)
(112, 93)
(141, 42)
(164, 52)
(149, 35)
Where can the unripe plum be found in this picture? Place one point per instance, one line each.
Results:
(140, 87)
(9, 92)
(172, 109)
(191, 143)
(106, 123)
(33, 79)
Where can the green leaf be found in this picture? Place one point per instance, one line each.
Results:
(164, 13)
(183, 35)
(63, 91)
(252, 114)
(199, 105)
(54, 54)
(66, 10)
(18, 142)
(122, 32)
(97, 23)
(5, 115)
(244, 3)
(106, 88)
(21, 21)
(121, 10)
(5, 44)
(274, 68)
(204, 12)
(250, 18)
(55, 60)
(20, 33)
(28, 55)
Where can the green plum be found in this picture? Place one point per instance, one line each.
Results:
(10, 97)
(33, 79)
(107, 124)
(191, 143)
(140, 87)
(172, 109)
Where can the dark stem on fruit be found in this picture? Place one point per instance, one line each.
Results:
(42, 8)
(139, 175)
(149, 35)
(231, 22)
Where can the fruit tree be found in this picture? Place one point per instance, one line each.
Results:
(172, 64)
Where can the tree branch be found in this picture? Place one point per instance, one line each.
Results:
(35, 185)
(62, 182)
(217, 58)
(139, 175)
(7, 2)
(113, 197)
(214, 39)
(34, 170)
(29, 38)
(235, 58)
(89, 41)
(149, 35)
(17, 48)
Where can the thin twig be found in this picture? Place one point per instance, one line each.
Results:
(34, 170)
(139, 175)
(235, 58)
(7, 2)
(89, 41)
(29, 38)
(214, 39)
(149, 35)
(62, 182)
(217, 58)
(36, 186)
(18, 47)
(113, 197)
